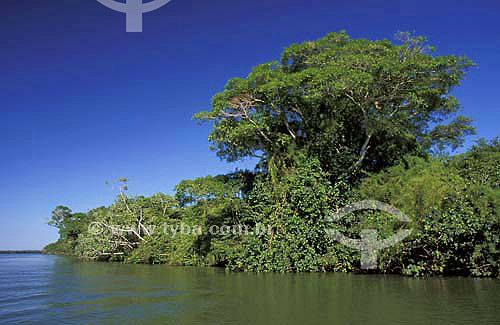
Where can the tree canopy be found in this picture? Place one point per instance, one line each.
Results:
(349, 102)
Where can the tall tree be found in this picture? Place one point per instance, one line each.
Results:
(352, 103)
(68, 223)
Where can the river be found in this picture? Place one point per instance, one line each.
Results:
(51, 289)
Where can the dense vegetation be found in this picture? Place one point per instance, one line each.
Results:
(335, 121)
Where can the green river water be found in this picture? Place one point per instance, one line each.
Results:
(51, 289)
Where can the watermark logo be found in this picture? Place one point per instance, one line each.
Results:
(134, 10)
(96, 228)
(100, 228)
(368, 244)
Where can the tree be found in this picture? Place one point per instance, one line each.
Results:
(59, 215)
(455, 217)
(287, 222)
(480, 164)
(352, 103)
(69, 224)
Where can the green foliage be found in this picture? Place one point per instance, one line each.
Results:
(220, 187)
(70, 224)
(60, 247)
(152, 251)
(480, 165)
(455, 222)
(348, 102)
(289, 223)
(335, 121)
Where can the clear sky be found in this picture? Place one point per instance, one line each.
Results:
(82, 102)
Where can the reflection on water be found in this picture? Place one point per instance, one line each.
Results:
(39, 288)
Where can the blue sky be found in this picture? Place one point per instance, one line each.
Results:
(82, 102)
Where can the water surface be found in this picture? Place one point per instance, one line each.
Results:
(49, 289)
